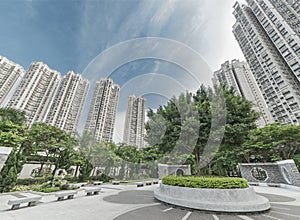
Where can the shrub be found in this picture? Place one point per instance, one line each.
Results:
(32, 181)
(21, 188)
(50, 189)
(101, 177)
(71, 179)
(205, 182)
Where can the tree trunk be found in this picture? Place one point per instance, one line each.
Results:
(53, 174)
(209, 169)
(198, 168)
(41, 168)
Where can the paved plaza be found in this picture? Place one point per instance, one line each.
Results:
(128, 202)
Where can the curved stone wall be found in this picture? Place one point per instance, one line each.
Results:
(222, 200)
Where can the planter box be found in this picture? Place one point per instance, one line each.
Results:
(220, 200)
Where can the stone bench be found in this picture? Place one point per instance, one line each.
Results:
(69, 194)
(253, 184)
(140, 184)
(92, 191)
(148, 183)
(98, 183)
(30, 200)
(273, 184)
(155, 181)
(79, 184)
(115, 182)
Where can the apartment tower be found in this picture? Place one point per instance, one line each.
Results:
(268, 34)
(102, 113)
(11, 75)
(67, 106)
(134, 121)
(35, 92)
(238, 75)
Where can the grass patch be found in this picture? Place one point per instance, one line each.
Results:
(206, 182)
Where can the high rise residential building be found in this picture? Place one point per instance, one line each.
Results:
(11, 75)
(134, 128)
(268, 34)
(34, 94)
(67, 106)
(102, 113)
(237, 74)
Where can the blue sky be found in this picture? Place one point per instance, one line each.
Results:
(70, 34)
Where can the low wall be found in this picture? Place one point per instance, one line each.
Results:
(167, 169)
(220, 200)
(284, 172)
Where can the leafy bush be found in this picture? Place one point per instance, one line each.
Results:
(32, 181)
(21, 188)
(205, 182)
(51, 189)
(101, 177)
(71, 179)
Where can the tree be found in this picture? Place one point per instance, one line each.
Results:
(85, 170)
(13, 115)
(240, 121)
(54, 144)
(271, 143)
(202, 133)
(9, 174)
(12, 134)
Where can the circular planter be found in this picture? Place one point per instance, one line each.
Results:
(220, 200)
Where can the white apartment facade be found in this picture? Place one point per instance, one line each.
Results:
(11, 75)
(237, 74)
(67, 106)
(35, 92)
(102, 112)
(271, 46)
(134, 128)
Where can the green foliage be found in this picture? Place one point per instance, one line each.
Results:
(101, 177)
(272, 143)
(85, 171)
(9, 174)
(176, 124)
(32, 181)
(13, 115)
(54, 143)
(45, 187)
(205, 182)
(18, 188)
(296, 159)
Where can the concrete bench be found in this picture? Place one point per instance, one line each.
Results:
(273, 184)
(115, 182)
(30, 200)
(69, 194)
(155, 181)
(148, 183)
(92, 191)
(140, 184)
(253, 184)
(98, 183)
(79, 184)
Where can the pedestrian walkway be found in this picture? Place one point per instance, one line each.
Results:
(122, 202)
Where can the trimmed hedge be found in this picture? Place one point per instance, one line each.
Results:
(206, 182)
